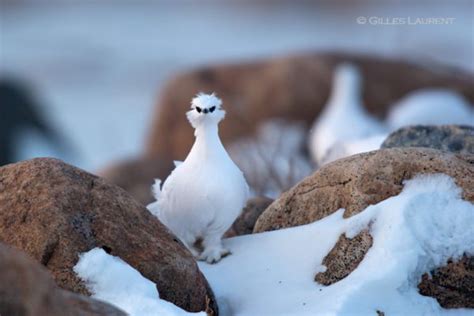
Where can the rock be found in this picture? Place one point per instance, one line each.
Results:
(55, 212)
(365, 179)
(26, 288)
(357, 181)
(293, 88)
(244, 224)
(136, 176)
(452, 285)
(452, 138)
(344, 257)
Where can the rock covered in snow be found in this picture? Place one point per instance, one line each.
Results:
(54, 212)
(356, 182)
(452, 138)
(293, 88)
(27, 289)
(112, 280)
(245, 223)
(410, 233)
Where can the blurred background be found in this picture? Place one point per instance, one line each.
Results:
(91, 72)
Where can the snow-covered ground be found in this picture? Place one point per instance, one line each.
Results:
(98, 65)
(272, 273)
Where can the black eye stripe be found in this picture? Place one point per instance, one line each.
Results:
(198, 109)
(212, 109)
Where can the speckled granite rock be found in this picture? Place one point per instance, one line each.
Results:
(452, 138)
(354, 183)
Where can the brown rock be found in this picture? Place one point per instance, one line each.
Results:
(357, 181)
(54, 212)
(294, 88)
(136, 176)
(344, 257)
(354, 183)
(452, 285)
(244, 224)
(27, 289)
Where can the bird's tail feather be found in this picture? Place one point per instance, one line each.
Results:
(156, 191)
(156, 188)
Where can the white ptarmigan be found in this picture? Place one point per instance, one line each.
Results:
(344, 118)
(433, 106)
(206, 192)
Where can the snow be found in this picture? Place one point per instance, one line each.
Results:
(272, 273)
(112, 280)
(431, 107)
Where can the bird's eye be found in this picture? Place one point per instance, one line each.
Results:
(212, 108)
(198, 109)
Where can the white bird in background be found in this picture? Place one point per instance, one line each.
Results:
(204, 194)
(344, 118)
(431, 107)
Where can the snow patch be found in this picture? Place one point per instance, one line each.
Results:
(112, 280)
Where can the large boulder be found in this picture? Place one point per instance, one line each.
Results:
(355, 182)
(54, 212)
(27, 289)
(293, 88)
(452, 138)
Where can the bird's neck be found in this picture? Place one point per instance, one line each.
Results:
(345, 95)
(207, 143)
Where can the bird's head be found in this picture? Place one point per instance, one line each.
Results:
(205, 109)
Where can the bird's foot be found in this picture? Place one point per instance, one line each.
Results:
(213, 255)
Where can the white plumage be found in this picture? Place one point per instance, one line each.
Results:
(204, 194)
(431, 107)
(344, 118)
